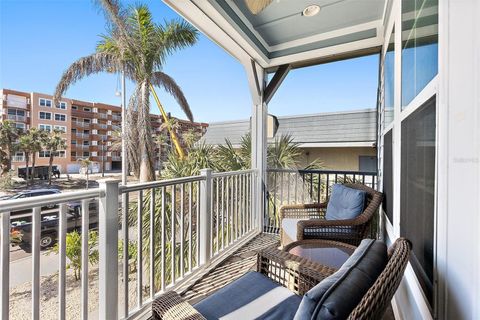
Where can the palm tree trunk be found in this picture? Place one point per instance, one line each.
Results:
(33, 167)
(27, 156)
(147, 172)
(50, 162)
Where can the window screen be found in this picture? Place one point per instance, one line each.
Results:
(417, 216)
(387, 204)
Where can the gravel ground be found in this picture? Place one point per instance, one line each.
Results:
(21, 298)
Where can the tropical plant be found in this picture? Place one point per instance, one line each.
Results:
(25, 145)
(73, 250)
(85, 164)
(137, 46)
(8, 135)
(53, 143)
(190, 137)
(37, 137)
(132, 254)
(284, 153)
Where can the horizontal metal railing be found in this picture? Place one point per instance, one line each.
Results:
(167, 229)
(289, 186)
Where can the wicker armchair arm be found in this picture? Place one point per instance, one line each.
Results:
(304, 210)
(171, 306)
(293, 272)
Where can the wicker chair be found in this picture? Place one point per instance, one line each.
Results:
(294, 273)
(299, 275)
(315, 226)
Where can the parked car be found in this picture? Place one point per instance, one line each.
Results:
(50, 223)
(29, 194)
(41, 172)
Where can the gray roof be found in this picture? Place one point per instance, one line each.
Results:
(355, 128)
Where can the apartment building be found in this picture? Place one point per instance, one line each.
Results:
(89, 128)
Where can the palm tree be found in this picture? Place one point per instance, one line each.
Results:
(138, 47)
(25, 145)
(53, 143)
(8, 135)
(38, 137)
(85, 164)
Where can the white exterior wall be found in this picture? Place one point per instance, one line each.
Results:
(457, 86)
(459, 164)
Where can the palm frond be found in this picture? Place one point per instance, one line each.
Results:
(175, 35)
(163, 80)
(83, 67)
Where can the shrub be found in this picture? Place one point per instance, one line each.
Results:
(74, 250)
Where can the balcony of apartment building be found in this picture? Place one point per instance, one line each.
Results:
(194, 235)
(81, 124)
(116, 117)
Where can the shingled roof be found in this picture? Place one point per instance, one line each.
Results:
(347, 128)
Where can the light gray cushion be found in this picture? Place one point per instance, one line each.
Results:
(252, 296)
(337, 295)
(289, 226)
(345, 203)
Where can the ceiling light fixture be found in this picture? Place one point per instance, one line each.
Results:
(311, 10)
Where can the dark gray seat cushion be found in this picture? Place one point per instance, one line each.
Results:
(252, 296)
(337, 295)
(345, 203)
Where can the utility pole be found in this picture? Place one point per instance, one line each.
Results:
(124, 132)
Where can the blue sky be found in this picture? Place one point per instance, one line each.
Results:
(40, 39)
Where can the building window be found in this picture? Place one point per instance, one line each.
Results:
(44, 154)
(389, 80)
(74, 108)
(60, 154)
(94, 153)
(86, 131)
(387, 174)
(45, 115)
(16, 112)
(86, 143)
(417, 190)
(73, 154)
(60, 128)
(419, 46)
(45, 102)
(94, 143)
(86, 120)
(74, 142)
(45, 127)
(62, 105)
(87, 109)
(20, 126)
(86, 154)
(60, 117)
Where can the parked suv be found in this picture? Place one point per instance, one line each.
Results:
(50, 223)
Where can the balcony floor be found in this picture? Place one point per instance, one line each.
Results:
(234, 267)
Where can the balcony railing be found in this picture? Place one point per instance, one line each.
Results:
(181, 226)
(116, 158)
(83, 135)
(82, 124)
(102, 125)
(18, 158)
(286, 186)
(16, 118)
(102, 115)
(115, 117)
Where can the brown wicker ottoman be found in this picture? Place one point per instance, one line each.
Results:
(325, 252)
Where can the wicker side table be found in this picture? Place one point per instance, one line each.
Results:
(329, 253)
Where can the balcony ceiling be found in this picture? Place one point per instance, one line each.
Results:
(281, 34)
